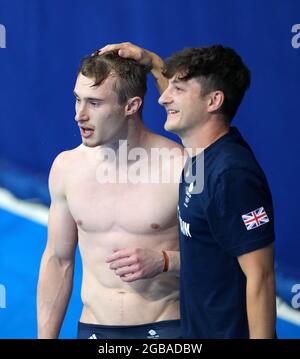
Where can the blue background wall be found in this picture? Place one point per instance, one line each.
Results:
(45, 40)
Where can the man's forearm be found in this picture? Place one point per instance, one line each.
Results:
(54, 291)
(157, 72)
(145, 57)
(261, 306)
(174, 262)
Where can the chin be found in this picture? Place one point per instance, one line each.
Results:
(90, 143)
(170, 127)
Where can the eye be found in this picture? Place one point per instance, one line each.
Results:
(77, 100)
(94, 104)
(179, 89)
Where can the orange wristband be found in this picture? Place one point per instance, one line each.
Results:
(166, 258)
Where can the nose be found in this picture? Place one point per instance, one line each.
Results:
(81, 112)
(165, 98)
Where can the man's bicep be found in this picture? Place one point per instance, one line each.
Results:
(62, 230)
(258, 263)
(240, 213)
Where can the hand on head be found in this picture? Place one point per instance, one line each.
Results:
(129, 50)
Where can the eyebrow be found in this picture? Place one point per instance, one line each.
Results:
(88, 98)
(177, 81)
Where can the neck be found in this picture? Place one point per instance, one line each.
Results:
(205, 135)
(131, 135)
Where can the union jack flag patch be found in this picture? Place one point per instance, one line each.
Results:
(255, 218)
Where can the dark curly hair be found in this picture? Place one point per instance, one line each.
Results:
(131, 76)
(217, 68)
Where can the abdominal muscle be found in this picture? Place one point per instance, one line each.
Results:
(107, 300)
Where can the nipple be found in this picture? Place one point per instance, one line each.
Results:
(155, 226)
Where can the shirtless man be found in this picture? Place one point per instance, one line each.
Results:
(126, 231)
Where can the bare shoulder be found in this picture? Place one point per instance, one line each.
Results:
(164, 145)
(64, 159)
(164, 142)
(60, 166)
(172, 153)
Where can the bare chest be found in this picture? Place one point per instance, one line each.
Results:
(132, 208)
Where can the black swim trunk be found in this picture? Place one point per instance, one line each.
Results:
(167, 329)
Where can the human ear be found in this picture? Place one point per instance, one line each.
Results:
(133, 105)
(215, 100)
